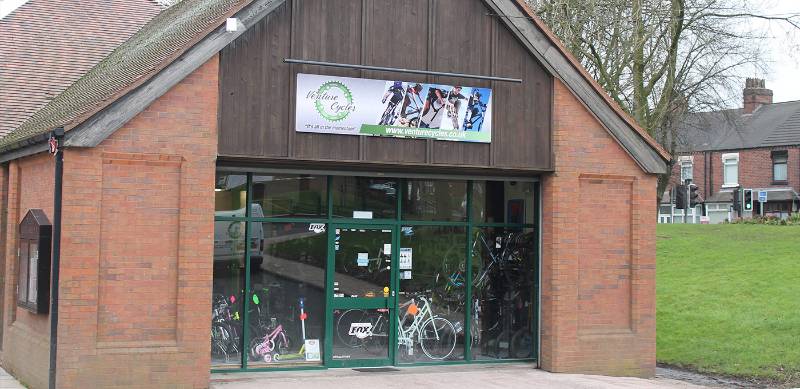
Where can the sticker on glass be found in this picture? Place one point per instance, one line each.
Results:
(363, 259)
(317, 228)
(406, 255)
(360, 330)
(362, 214)
(387, 249)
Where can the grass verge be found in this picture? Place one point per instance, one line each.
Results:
(728, 300)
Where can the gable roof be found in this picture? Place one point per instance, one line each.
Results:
(46, 45)
(182, 38)
(770, 125)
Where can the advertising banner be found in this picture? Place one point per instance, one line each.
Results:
(357, 106)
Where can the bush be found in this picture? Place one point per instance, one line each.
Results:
(793, 220)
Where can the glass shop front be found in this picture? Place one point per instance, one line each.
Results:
(317, 271)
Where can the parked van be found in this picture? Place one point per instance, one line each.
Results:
(228, 238)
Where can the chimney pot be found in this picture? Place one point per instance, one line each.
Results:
(755, 95)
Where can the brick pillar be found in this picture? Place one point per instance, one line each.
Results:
(598, 251)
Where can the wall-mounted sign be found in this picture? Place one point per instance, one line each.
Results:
(33, 282)
(356, 106)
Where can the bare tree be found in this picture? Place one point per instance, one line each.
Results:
(662, 59)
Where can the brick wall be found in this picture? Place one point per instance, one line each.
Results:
(136, 270)
(598, 251)
(755, 169)
(25, 335)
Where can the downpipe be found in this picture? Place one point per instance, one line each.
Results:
(56, 141)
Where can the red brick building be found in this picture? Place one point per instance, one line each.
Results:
(753, 149)
(219, 215)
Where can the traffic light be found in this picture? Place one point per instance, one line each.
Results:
(748, 200)
(694, 195)
(737, 201)
(680, 197)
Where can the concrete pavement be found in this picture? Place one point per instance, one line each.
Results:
(8, 382)
(486, 376)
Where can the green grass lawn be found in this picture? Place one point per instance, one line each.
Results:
(729, 299)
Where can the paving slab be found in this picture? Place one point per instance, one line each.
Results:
(8, 382)
(453, 376)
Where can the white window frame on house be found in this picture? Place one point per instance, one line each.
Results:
(688, 164)
(730, 159)
(780, 157)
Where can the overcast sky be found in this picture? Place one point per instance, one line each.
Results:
(783, 74)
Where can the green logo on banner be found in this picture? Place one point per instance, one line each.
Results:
(333, 101)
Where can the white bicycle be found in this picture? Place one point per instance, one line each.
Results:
(418, 325)
(435, 335)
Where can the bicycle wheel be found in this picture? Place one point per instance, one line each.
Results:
(283, 344)
(343, 327)
(388, 115)
(522, 344)
(219, 352)
(437, 338)
(257, 349)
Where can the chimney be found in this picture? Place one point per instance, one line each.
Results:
(755, 95)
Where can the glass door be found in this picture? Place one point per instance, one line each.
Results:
(361, 295)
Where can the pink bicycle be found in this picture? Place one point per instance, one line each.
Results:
(270, 346)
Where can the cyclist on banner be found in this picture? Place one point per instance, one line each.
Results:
(475, 110)
(412, 96)
(396, 93)
(436, 100)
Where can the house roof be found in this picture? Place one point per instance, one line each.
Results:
(769, 126)
(175, 31)
(46, 45)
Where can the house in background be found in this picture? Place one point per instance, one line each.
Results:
(46, 45)
(756, 147)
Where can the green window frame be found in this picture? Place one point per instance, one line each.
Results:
(398, 222)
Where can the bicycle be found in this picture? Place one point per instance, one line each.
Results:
(265, 347)
(507, 259)
(435, 335)
(411, 118)
(373, 338)
(225, 338)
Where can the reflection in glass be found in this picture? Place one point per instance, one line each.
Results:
(287, 294)
(363, 263)
(503, 202)
(502, 315)
(435, 200)
(290, 196)
(361, 334)
(432, 293)
(230, 194)
(364, 197)
(226, 320)
(24, 267)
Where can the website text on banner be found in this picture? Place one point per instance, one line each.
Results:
(357, 106)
